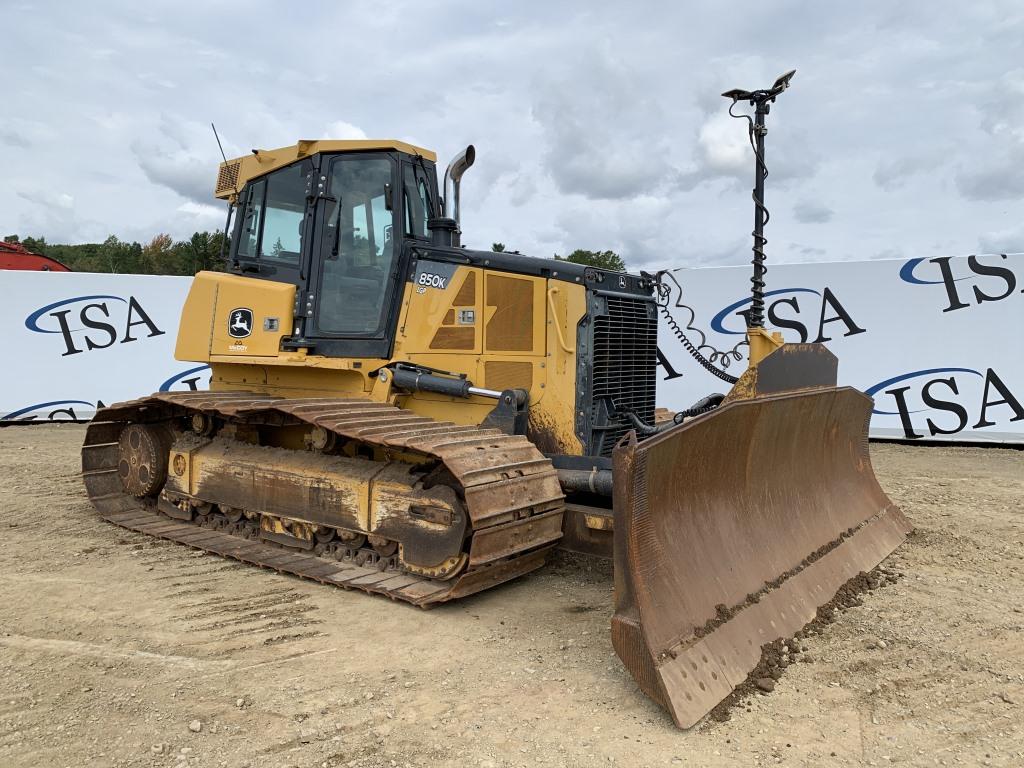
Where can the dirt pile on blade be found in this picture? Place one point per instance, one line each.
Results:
(778, 655)
(735, 527)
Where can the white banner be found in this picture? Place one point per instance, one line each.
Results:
(934, 340)
(75, 340)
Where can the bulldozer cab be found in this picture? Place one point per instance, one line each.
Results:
(340, 226)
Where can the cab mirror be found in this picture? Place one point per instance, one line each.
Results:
(388, 202)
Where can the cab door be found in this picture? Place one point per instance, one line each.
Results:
(353, 299)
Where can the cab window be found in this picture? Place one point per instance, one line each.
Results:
(252, 220)
(272, 223)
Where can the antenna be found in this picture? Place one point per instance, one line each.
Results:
(227, 222)
(756, 130)
(218, 142)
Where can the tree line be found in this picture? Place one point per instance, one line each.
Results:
(165, 256)
(601, 259)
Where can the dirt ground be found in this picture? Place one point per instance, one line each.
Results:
(119, 650)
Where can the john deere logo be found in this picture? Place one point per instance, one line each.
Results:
(240, 323)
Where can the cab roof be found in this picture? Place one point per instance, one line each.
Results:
(233, 174)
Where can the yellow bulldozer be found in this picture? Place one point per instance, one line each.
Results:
(392, 412)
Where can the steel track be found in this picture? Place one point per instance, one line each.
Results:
(510, 489)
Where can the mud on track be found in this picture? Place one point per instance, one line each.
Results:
(112, 644)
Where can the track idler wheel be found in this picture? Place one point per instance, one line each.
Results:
(383, 547)
(351, 539)
(233, 514)
(324, 534)
(142, 458)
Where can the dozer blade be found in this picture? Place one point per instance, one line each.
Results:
(732, 529)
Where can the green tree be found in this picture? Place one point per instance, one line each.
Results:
(113, 255)
(160, 257)
(498, 247)
(203, 252)
(36, 245)
(601, 259)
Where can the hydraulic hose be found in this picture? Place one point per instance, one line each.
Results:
(703, 405)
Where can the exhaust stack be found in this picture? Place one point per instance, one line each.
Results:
(452, 176)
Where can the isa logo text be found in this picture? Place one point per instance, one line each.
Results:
(814, 315)
(88, 323)
(950, 399)
(967, 283)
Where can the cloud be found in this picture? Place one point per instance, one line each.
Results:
(810, 212)
(182, 156)
(997, 177)
(595, 146)
(22, 133)
(204, 210)
(1009, 240)
(894, 173)
(995, 174)
(13, 138)
(52, 215)
(189, 176)
(48, 199)
(186, 219)
(724, 153)
(339, 129)
(812, 253)
(522, 187)
(597, 125)
(724, 150)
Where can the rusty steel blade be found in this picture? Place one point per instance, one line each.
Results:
(732, 529)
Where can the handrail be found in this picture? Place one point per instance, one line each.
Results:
(554, 319)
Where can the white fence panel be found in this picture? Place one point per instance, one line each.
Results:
(936, 341)
(72, 340)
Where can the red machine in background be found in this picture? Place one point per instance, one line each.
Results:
(17, 256)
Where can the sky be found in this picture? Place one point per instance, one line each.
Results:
(597, 125)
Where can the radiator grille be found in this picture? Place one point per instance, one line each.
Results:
(624, 360)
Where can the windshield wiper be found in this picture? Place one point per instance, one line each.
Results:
(337, 231)
(426, 175)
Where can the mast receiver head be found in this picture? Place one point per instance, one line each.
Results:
(767, 94)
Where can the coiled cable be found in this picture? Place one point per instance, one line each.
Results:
(715, 357)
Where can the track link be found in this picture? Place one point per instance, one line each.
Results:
(511, 491)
